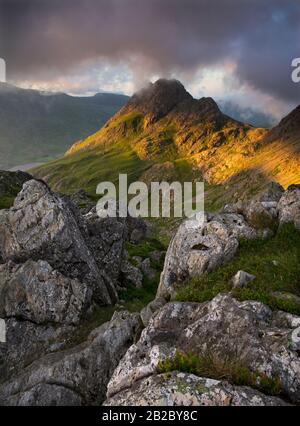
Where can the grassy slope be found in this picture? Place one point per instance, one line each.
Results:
(235, 160)
(36, 128)
(274, 262)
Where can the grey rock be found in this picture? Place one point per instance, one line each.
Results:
(137, 229)
(147, 270)
(106, 239)
(247, 332)
(236, 208)
(261, 215)
(35, 292)
(131, 275)
(82, 200)
(151, 308)
(42, 226)
(272, 192)
(241, 279)
(289, 206)
(202, 247)
(156, 255)
(181, 389)
(77, 376)
(27, 342)
(46, 394)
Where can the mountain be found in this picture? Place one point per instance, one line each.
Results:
(36, 126)
(163, 133)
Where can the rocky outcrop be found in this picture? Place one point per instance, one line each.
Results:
(159, 98)
(200, 247)
(180, 389)
(43, 226)
(82, 201)
(247, 332)
(78, 376)
(55, 263)
(131, 275)
(107, 239)
(289, 206)
(35, 292)
(27, 342)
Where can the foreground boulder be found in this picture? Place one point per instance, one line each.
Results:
(77, 376)
(27, 341)
(35, 292)
(248, 333)
(199, 247)
(180, 389)
(107, 238)
(43, 226)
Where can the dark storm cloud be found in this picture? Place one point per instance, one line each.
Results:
(40, 37)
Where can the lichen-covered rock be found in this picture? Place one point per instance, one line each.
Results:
(151, 308)
(43, 226)
(289, 206)
(82, 201)
(77, 376)
(202, 247)
(35, 292)
(180, 389)
(246, 332)
(131, 275)
(261, 215)
(27, 342)
(271, 193)
(242, 278)
(107, 238)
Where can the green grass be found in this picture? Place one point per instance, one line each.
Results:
(274, 262)
(8, 197)
(210, 366)
(7, 201)
(145, 248)
(135, 299)
(88, 169)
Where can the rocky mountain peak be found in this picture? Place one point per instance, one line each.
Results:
(159, 98)
(290, 123)
(208, 108)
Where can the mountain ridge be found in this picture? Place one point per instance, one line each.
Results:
(35, 126)
(163, 130)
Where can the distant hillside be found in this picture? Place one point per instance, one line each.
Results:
(35, 126)
(163, 133)
(252, 115)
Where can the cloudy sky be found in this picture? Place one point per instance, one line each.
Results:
(237, 51)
